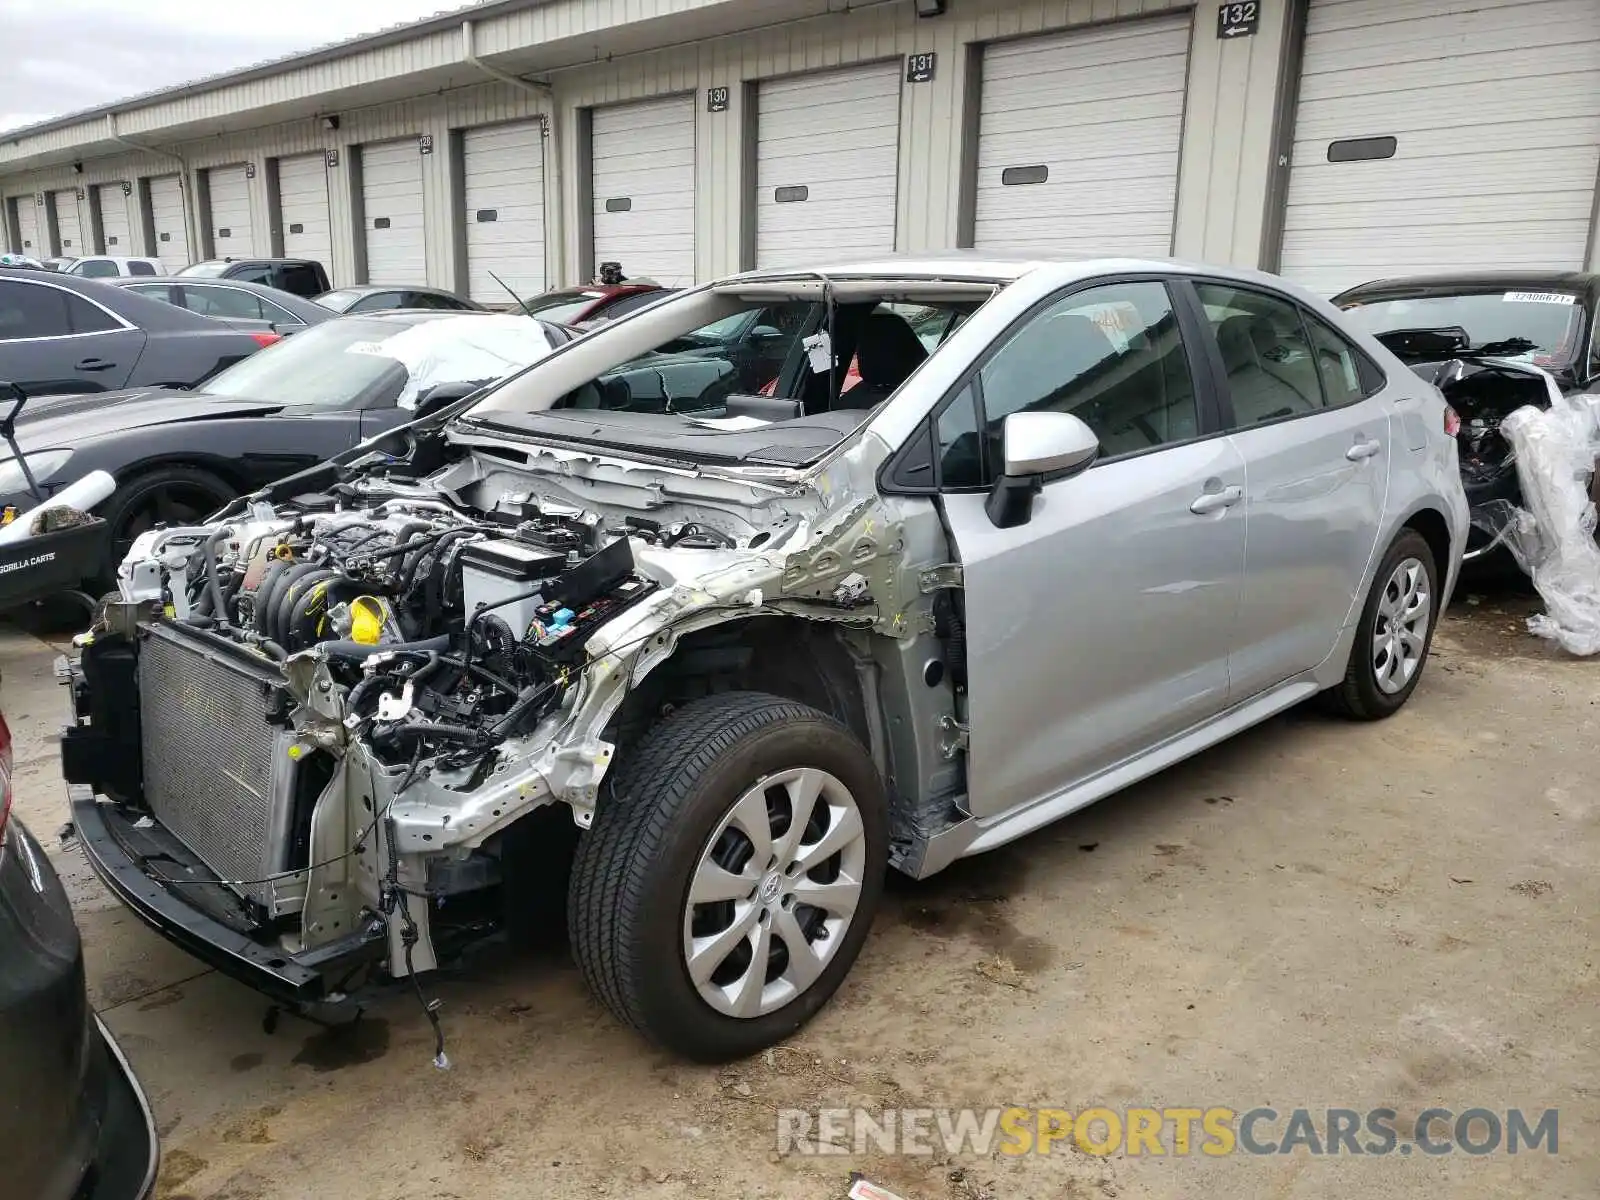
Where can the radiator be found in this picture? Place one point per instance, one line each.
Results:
(217, 775)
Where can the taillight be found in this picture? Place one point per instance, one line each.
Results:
(1452, 421)
(5, 772)
(266, 339)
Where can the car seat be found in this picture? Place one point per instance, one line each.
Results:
(887, 352)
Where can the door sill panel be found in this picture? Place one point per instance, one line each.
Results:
(975, 835)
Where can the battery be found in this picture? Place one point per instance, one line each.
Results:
(505, 576)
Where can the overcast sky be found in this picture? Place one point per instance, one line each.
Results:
(58, 56)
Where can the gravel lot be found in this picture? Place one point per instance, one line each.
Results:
(1316, 914)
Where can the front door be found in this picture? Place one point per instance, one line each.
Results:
(1307, 417)
(1103, 625)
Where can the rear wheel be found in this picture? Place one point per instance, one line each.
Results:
(729, 881)
(1394, 633)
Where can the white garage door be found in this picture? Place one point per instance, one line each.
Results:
(827, 161)
(28, 221)
(303, 208)
(391, 195)
(231, 235)
(166, 217)
(114, 220)
(1441, 135)
(644, 189)
(69, 229)
(1078, 140)
(503, 169)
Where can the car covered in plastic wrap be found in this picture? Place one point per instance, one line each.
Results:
(750, 636)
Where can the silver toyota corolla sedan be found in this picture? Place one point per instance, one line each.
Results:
(757, 592)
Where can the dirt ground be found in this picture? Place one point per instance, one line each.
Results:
(1317, 914)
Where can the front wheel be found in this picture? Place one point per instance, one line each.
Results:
(728, 882)
(1394, 633)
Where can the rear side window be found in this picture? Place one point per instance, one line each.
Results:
(1347, 374)
(88, 318)
(1271, 370)
(141, 268)
(96, 268)
(222, 302)
(252, 274)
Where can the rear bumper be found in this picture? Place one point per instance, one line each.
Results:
(119, 854)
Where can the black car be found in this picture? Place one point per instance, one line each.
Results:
(74, 1124)
(61, 335)
(299, 276)
(373, 297)
(177, 454)
(1505, 328)
(240, 304)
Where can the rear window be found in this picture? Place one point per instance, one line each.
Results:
(141, 268)
(1544, 328)
(562, 307)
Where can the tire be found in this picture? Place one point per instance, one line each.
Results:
(675, 804)
(188, 494)
(1368, 691)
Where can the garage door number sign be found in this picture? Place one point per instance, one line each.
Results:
(920, 67)
(717, 99)
(1238, 20)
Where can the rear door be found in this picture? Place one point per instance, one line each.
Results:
(54, 341)
(1307, 419)
(1103, 625)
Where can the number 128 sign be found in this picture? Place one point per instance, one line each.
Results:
(1238, 20)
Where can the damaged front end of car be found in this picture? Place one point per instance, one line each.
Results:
(302, 734)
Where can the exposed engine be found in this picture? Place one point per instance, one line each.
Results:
(1483, 399)
(451, 634)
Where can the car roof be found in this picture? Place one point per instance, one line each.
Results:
(1586, 282)
(146, 312)
(368, 289)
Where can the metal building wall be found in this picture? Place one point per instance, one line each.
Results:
(1225, 189)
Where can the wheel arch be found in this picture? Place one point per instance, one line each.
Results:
(223, 467)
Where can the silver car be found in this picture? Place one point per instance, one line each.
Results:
(942, 552)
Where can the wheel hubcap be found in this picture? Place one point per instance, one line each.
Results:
(774, 891)
(1400, 628)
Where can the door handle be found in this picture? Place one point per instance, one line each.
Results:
(1210, 502)
(94, 364)
(1363, 450)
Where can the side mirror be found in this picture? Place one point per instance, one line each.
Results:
(1037, 445)
(285, 328)
(765, 333)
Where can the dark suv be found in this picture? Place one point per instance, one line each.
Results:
(302, 276)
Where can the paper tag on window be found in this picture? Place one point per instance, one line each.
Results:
(819, 350)
(1539, 298)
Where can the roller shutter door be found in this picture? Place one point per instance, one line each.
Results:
(503, 170)
(827, 163)
(643, 186)
(231, 235)
(166, 218)
(114, 220)
(69, 229)
(391, 194)
(303, 208)
(28, 226)
(1078, 140)
(1493, 109)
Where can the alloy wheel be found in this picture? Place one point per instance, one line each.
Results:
(774, 890)
(1400, 627)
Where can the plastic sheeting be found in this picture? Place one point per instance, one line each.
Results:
(1553, 534)
(463, 349)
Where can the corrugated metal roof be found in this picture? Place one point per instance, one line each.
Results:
(389, 35)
